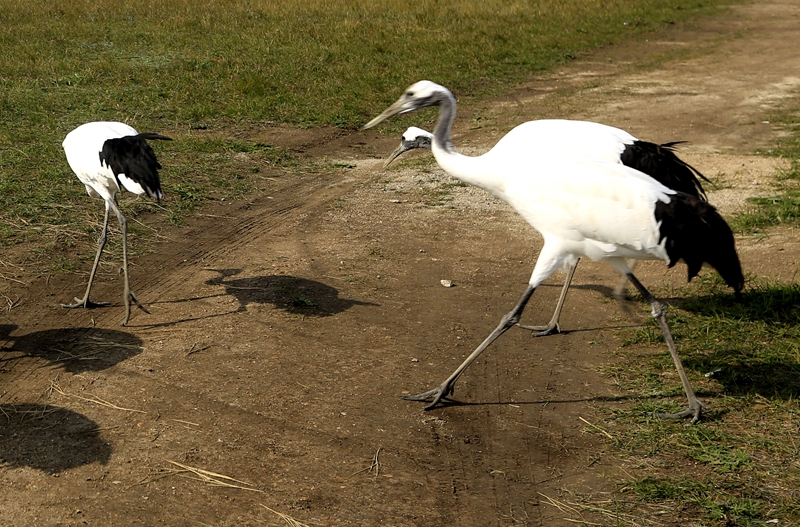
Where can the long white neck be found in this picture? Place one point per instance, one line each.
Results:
(473, 170)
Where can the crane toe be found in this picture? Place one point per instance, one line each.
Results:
(139, 304)
(695, 410)
(542, 331)
(420, 396)
(435, 396)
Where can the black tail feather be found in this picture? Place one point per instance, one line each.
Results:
(133, 157)
(697, 234)
(660, 163)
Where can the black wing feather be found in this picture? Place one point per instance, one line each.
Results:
(660, 163)
(132, 156)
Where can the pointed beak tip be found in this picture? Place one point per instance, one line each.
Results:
(374, 122)
(394, 155)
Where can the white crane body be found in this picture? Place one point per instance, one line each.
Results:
(83, 147)
(587, 201)
(552, 145)
(107, 156)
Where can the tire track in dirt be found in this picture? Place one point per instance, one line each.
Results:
(204, 246)
(517, 441)
(300, 404)
(26, 378)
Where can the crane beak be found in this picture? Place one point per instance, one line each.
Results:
(396, 108)
(394, 155)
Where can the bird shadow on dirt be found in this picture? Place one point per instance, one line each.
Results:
(289, 293)
(447, 402)
(49, 438)
(73, 349)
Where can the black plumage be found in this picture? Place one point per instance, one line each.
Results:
(660, 163)
(132, 157)
(697, 234)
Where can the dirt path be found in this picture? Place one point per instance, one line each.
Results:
(283, 327)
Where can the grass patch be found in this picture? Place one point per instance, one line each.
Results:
(197, 71)
(439, 195)
(739, 466)
(769, 211)
(701, 497)
(305, 62)
(783, 208)
(750, 346)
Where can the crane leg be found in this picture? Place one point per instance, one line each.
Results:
(621, 295)
(553, 326)
(101, 243)
(696, 407)
(446, 388)
(620, 292)
(127, 295)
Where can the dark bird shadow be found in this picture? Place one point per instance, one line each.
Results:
(447, 402)
(74, 349)
(290, 293)
(742, 375)
(49, 438)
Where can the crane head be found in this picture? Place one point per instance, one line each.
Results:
(419, 95)
(412, 138)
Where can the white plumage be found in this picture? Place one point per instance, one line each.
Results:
(607, 216)
(558, 139)
(82, 147)
(583, 206)
(107, 156)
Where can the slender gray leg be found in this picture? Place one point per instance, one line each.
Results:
(621, 296)
(446, 388)
(101, 243)
(128, 295)
(696, 407)
(553, 326)
(620, 291)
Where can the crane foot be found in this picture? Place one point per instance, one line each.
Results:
(695, 410)
(542, 331)
(437, 394)
(139, 304)
(86, 303)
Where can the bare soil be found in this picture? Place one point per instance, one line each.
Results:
(284, 326)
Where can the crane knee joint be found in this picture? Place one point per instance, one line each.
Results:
(658, 310)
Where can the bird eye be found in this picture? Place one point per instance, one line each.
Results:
(410, 93)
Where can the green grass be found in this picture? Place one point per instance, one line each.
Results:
(739, 466)
(764, 212)
(752, 344)
(206, 71)
(304, 62)
(782, 208)
(702, 498)
(200, 71)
